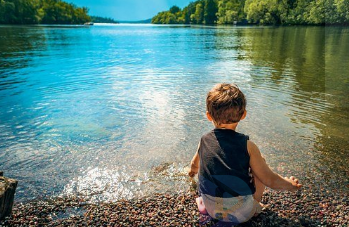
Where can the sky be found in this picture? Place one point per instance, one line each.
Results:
(128, 9)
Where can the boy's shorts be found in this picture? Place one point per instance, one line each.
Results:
(236, 209)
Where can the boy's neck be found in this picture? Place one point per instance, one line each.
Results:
(227, 126)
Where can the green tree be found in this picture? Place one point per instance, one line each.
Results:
(156, 19)
(299, 14)
(28, 11)
(188, 11)
(262, 11)
(230, 11)
(98, 19)
(319, 12)
(18, 11)
(7, 12)
(342, 8)
(56, 11)
(198, 16)
(166, 17)
(210, 11)
(41, 11)
(174, 9)
(329, 12)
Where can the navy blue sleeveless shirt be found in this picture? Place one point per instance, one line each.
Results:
(225, 164)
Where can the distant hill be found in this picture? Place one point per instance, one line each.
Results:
(147, 21)
(97, 19)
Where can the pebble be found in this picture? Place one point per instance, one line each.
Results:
(282, 209)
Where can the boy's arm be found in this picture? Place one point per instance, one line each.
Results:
(266, 175)
(195, 164)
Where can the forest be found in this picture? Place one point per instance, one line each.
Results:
(41, 12)
(97, 19)
(264, 12)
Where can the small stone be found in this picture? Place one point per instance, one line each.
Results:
(339, 207)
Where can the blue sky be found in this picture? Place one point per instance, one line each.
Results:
(128, 9)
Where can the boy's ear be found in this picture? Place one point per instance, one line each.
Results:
(208, 115)
(244, 115)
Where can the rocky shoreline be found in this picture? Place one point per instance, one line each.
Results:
(282, 209)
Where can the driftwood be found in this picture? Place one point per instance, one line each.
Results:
(7, 193)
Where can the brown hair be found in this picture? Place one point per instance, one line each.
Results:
(225, 103)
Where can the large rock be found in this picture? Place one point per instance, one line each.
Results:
(7, 193)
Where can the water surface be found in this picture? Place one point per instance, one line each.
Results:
(109, 112)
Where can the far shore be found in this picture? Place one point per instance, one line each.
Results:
(165, 25)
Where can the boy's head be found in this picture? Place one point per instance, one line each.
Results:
(225, 104)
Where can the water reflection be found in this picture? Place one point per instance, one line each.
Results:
(307, 65)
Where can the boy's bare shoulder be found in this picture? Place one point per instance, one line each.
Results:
(252, 148)
(251, 144)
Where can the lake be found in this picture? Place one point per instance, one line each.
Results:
(116, 111)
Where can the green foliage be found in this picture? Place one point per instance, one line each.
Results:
(198, 16)
(230, 11)
(174, 16)
(342, 7)
(198, 12)
(263, 11)
(210, 12)
(41, 11)
(97, 19)
(329, 12)
(174, 9)
(299, 13)
(188, 11)
(165, 17)
(317, 12)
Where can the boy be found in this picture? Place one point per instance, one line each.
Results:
(232, 172)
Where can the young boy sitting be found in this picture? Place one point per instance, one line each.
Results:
(232, 172)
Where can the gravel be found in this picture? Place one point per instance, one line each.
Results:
(304, 208)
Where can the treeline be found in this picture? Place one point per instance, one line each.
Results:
(97, 19)
(41, 12)
(286, 12)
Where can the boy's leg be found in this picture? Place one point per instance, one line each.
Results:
(259, 188)
(201, 205)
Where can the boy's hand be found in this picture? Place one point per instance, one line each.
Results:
(294, 182)
(194, 164)
(193, 170)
